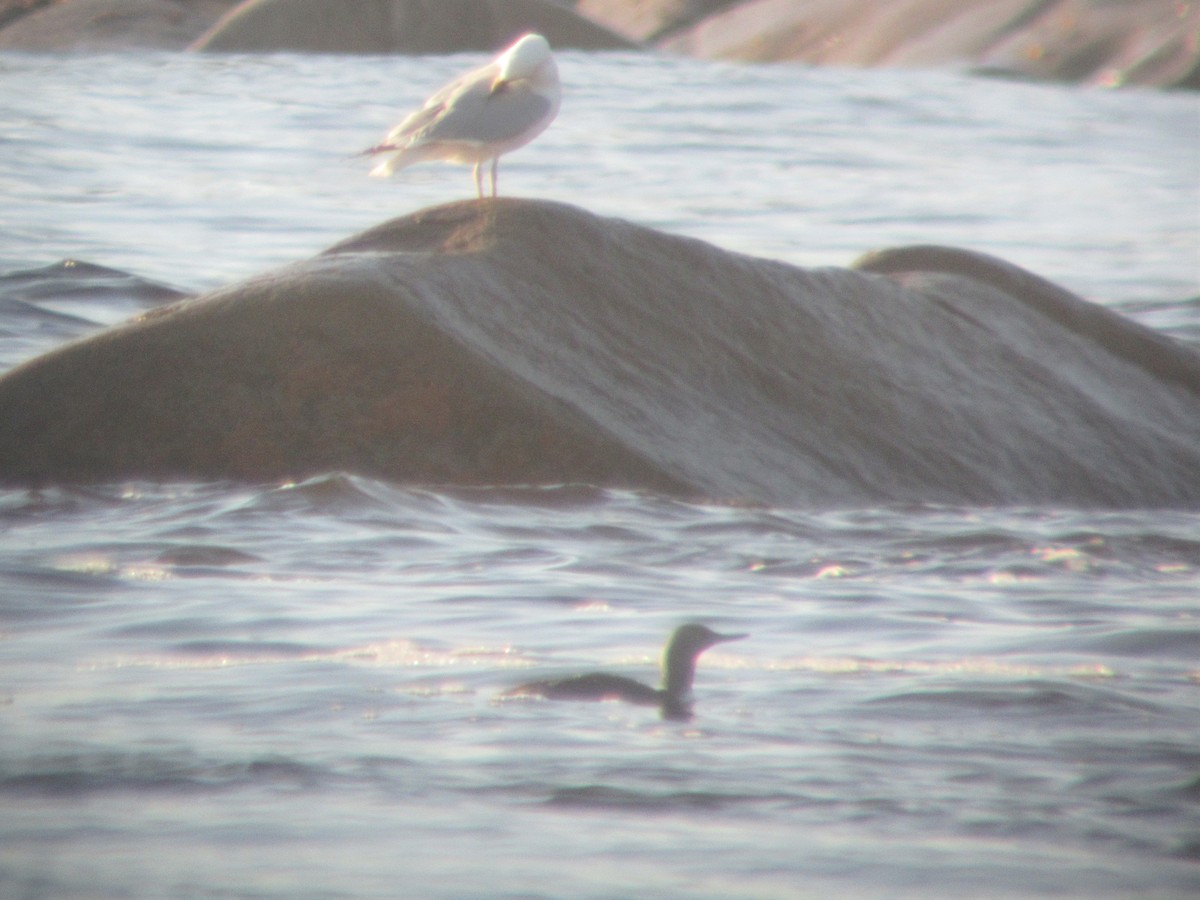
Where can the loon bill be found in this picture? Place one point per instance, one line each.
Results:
(674, 698)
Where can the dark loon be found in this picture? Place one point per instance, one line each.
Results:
(674, 698)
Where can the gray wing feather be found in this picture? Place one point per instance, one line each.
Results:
(412, 126)
(469, 109)
(484, 116)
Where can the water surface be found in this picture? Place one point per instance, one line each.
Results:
(292, 690)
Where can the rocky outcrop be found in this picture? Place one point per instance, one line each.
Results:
(316, 26)
(512, 341)
(1149, 42)
(11, 10)
(104, 25)
(400, 26)
(650, 20)
(1142, 42)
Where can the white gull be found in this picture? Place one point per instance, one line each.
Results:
(481, 115)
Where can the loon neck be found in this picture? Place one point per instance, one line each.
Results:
(679, 660)
(679, 665)
(679, 671)
(679, 708)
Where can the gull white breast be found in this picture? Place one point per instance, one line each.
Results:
(481, 115)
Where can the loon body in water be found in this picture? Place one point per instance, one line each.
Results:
(674, 698)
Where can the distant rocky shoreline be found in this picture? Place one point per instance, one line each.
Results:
(1137, 42)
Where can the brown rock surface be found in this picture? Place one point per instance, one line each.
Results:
(102, 25)
(399, 26)
(514, 341)
(1136, 42)
(1149, 42)
(649, 20)
(11, 10)
(1154, 42)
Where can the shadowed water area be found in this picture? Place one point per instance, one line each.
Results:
(971, 662)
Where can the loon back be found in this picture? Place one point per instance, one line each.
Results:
(592, 686)
(674, 699)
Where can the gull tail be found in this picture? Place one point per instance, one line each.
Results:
(388, 166)
(379, 148)
(385, 168)
(374, 151)
(401, 158)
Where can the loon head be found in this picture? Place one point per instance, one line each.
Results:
(679, 659)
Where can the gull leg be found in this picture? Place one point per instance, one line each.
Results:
(479, 179)
(495, 166)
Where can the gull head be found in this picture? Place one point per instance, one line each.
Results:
(524, 58)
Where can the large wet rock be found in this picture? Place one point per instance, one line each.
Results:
(649, 20)
(320, 26)
(1144, 42)
(515, 341)
(1149, 42)
(399, 26)
(103, 25)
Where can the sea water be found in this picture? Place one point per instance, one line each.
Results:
(295, 689)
